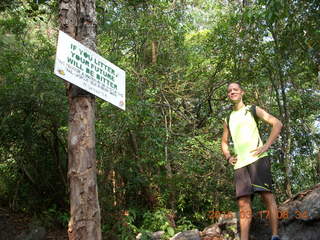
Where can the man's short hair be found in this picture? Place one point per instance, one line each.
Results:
(239, 84)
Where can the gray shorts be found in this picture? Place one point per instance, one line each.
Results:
(255, 177)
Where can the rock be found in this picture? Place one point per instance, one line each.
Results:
(187, 235)
(300, 230)
(152, 236)
(303, 216)
(211, 231)
(36, 233)
(139, 236)
(260, 229)
(304, 206)
(299, 218)
(157, 235)
(224, 229)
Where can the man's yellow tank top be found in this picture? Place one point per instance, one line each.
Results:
(245, 136)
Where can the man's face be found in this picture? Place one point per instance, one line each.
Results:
(235, 93)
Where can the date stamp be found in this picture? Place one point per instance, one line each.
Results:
(284, 214)
(263, 214)
(221, 214)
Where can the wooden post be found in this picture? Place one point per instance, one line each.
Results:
(78, 19)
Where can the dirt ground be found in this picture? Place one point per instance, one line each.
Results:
(13, 224)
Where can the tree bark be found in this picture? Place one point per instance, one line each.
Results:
(318, 167)
(78, 19)
(154, 52)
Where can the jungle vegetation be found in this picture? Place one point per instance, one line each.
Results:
(160, 165)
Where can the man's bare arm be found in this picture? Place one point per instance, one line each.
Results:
(275, 131)
(225, 145)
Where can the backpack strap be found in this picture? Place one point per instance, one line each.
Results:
(256, 119)
(254, 113)
(228, 120)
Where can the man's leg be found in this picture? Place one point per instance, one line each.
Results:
(245, 216)
(270, 202)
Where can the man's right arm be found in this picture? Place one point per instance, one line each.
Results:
(225, 145)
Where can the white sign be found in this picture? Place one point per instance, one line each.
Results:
(83, 67)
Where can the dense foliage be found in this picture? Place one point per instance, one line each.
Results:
(160, 166)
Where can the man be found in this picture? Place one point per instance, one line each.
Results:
(251, 162)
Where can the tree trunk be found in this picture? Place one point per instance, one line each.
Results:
(168, 127)
(318, 167)
(319, 75)
(286, 144)
(154, 52)
(78, 19)
(285, 115)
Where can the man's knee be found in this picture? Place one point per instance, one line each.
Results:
(244, 202)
